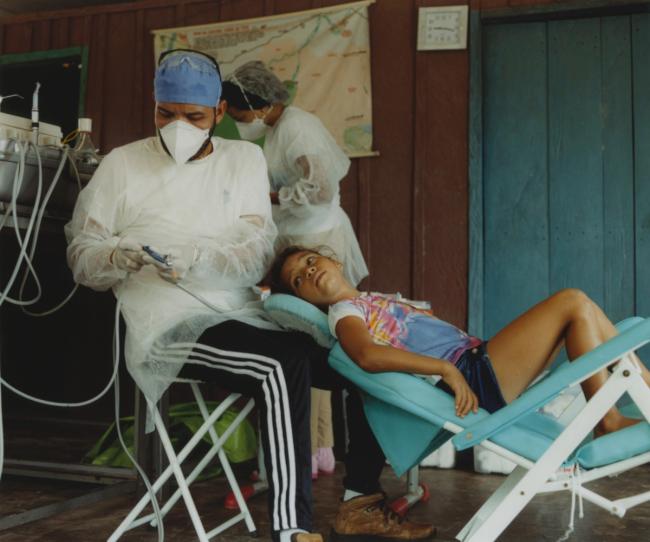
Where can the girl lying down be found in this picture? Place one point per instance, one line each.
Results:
(383, 333)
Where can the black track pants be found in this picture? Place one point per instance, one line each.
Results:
(277, 369)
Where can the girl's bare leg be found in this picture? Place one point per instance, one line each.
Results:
(608, 330)
(524, 348)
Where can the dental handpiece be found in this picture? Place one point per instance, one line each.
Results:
(35, 115)
(163, 259)
(156, 256)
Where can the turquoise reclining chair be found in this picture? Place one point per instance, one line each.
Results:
(411, 418)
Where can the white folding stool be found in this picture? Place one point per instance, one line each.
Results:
(134, 520)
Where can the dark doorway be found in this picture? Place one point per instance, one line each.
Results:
(62, 75)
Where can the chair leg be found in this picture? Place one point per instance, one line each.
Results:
(415, 492)
(261, 465)
(158, 457)
(640, 394)
(130, 521)
(142, 442)
(493, 502)
(413, 479)
(520, 493)
(243, 507)
(178, 474)
(214, 450)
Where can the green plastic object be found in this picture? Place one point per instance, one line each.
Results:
(184, 420)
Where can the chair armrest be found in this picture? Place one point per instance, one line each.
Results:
(635, 334)
(405, 391)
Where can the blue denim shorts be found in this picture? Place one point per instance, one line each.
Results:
(476, 367)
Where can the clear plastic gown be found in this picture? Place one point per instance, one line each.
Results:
(218, 204)
(305, 168)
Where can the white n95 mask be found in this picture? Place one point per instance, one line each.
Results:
(183, 140)
(252, 130)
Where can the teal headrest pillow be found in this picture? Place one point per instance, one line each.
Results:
(291, 312)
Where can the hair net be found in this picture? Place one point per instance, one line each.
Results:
(253, 83)
(187, 77)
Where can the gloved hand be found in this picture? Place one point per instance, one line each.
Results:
(179, 259)
(127, 255)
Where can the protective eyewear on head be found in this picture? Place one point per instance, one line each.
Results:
(170, 52)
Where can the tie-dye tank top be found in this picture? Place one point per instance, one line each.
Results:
(392, 321)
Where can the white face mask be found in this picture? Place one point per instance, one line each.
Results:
(183, 140)
(252, 130)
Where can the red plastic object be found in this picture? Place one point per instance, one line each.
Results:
(401, 505)
(249, 491)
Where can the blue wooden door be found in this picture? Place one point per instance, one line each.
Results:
(566, 164)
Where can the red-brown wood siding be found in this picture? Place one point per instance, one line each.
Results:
(408, 205)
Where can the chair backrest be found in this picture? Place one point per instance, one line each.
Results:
(291, 312)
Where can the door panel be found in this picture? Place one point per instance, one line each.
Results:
(566, 164)
(515, 201)
(575, 164)
(641, 78)
(618, 168)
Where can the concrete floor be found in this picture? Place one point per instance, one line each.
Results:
(456, 494)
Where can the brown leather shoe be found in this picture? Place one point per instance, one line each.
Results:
(368, 518)
(306, 537)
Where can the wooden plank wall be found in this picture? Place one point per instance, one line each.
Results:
(618, 164)
(641, 80)
(409, 205)
(515, 85)
(565, 179)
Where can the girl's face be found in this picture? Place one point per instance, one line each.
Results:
(314, 278)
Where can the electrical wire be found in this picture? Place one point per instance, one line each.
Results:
(27, 254)
(160, 528)
(18, 181)
(113, 381)
(2, 437)
(41, 212)
(34, 228)
(70, 137)
(37, 229)
(198, 297)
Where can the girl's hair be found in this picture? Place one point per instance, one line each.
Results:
(273, 278)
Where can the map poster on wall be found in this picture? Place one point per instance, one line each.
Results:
(322, 55)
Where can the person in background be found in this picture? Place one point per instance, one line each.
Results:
(322, 434)
(305, 169)
(305, 166)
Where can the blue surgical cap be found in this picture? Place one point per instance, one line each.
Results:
(187, 77)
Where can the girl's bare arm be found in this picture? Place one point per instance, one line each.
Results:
(375, 358)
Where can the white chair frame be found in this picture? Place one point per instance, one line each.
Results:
(546, 476)
(175, 460)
